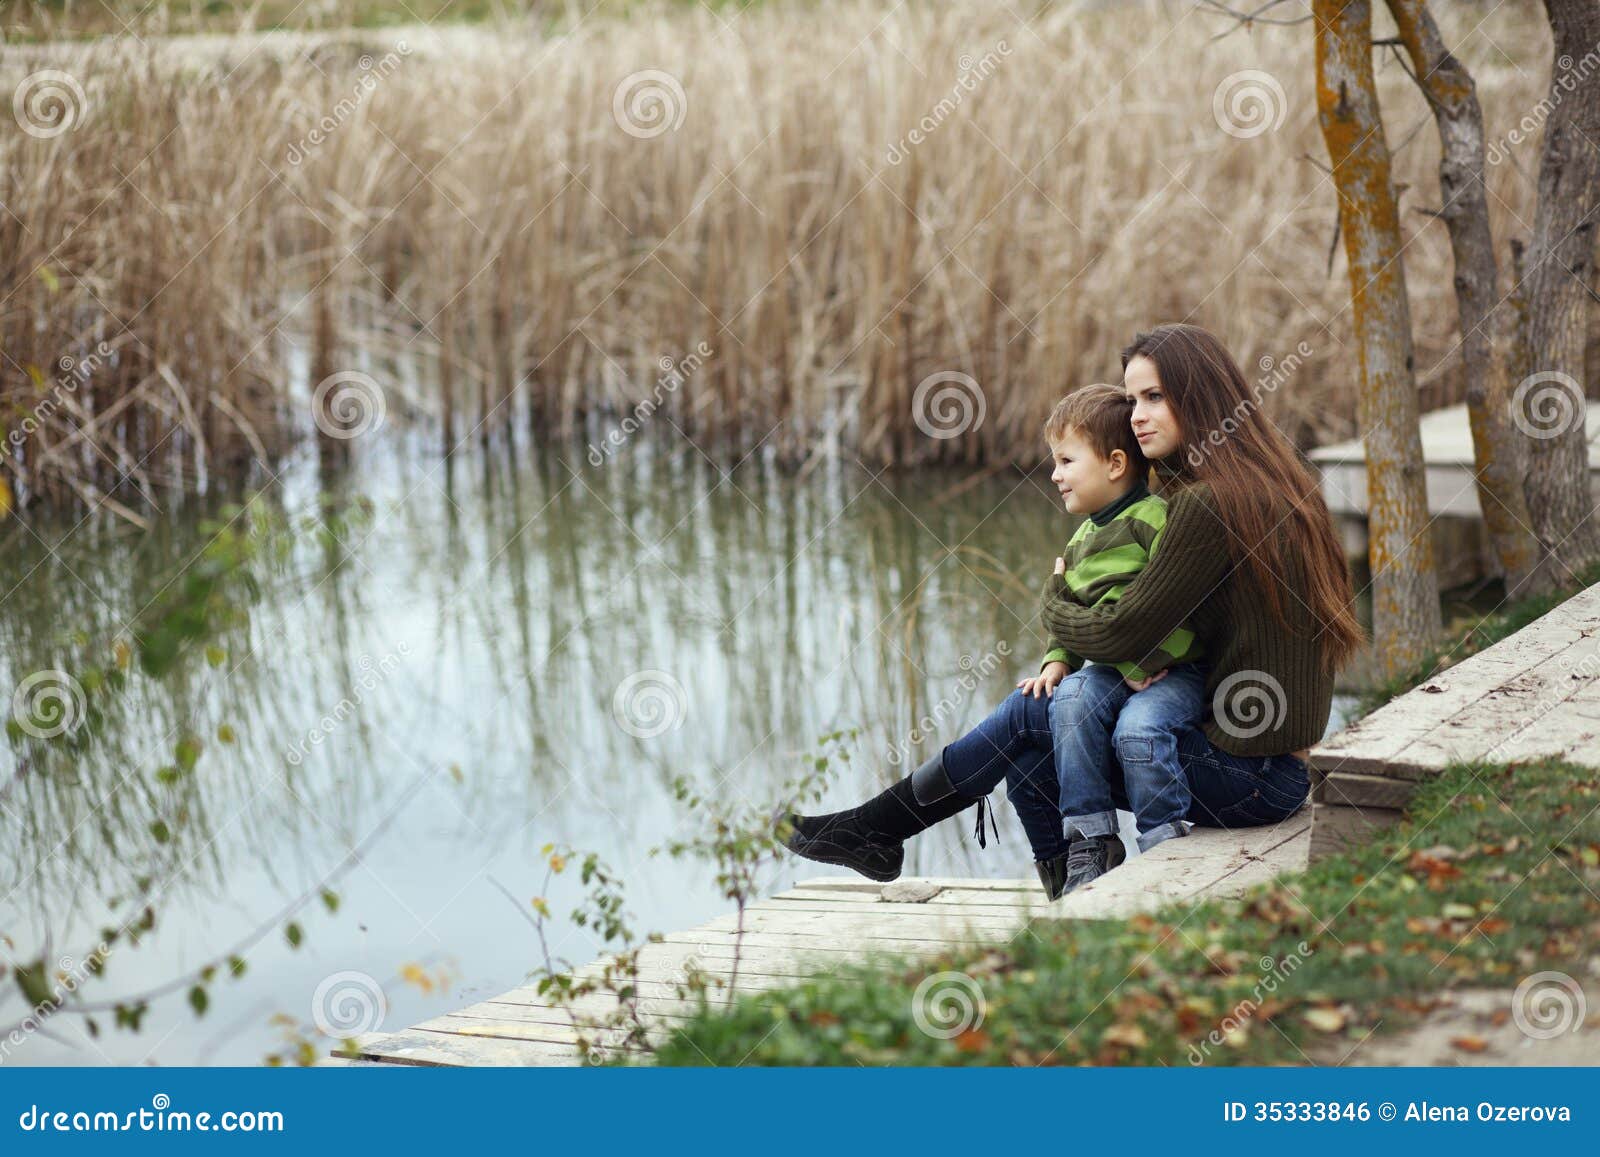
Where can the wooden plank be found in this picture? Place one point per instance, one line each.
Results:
(858, 907)
(813, 943)
(1160, 876)
(1364, 790)
(1551, 650)
(1336, 827)
(870, 925)
(960, 883)
(648, 989)
(422, 1047)
(1291, 856)
(1523, 710)
(484, 1028)
(334, 1061)
(498, 1009)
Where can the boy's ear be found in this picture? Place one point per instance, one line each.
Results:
(1117, 465)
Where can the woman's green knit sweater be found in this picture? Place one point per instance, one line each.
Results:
(1270, 690)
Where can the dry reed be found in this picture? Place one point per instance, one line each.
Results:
(475, 227)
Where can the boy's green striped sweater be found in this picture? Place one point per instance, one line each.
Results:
(1105, 553)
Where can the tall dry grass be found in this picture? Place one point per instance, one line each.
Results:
(478, 210)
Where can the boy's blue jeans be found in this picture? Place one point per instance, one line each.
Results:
(1099, 723)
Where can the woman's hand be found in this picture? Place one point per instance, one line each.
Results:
(1044, 683)
(1061, 566)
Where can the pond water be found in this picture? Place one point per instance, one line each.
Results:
(518, 649)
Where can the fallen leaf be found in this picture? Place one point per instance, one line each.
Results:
(1326, 1019)
(1128, 1035)
(973, 1040)
(1470, 1044)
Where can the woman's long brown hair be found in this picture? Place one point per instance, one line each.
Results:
(1264, 493)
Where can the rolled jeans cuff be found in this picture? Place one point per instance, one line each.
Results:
(1160, 835)
(1094, 824)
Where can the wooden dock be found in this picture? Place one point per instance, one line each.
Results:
(1461, 549)
(1447, 459)
(832, 919)
(1534, 694)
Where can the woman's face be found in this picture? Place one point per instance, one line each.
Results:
(1154, 422)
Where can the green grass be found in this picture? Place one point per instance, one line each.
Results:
(1466, 893)
(1469, 634)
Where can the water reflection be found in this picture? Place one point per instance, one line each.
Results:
(436, 691)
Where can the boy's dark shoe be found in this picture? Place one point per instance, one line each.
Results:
(1091, 857)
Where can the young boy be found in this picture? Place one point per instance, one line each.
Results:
(1105, 715)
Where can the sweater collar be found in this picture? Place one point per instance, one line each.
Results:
(1111, 509)
(1171, 471)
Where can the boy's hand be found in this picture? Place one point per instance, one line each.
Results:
(1141, 684)
(1061, 566)
(1044, 683)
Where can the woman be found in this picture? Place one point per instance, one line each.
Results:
(1249, 560)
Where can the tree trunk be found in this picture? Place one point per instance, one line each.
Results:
(1405, 596)
(1549, 401)
(1486, 322)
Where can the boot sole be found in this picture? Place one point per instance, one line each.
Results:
(843, 859)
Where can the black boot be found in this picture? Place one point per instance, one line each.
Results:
(1090, 857)
(868, 839)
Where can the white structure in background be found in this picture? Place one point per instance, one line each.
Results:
(1460, 543)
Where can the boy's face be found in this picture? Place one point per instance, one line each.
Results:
(1086, 481)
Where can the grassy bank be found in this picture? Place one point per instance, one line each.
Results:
(840, 199)
(1308, 966)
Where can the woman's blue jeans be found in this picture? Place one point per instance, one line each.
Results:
(1014, 745)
